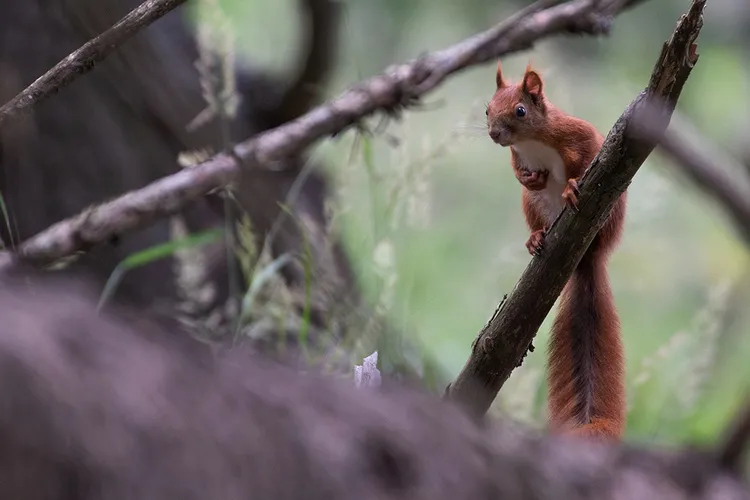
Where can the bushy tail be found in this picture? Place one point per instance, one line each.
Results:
(586, 360)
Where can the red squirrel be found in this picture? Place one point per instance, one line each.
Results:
(550, 150)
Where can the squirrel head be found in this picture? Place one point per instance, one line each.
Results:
(518, 111)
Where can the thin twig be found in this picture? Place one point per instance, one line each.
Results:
(85, 58)
(397, 87)
(503, 342)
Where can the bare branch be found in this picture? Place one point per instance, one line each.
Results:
(721, 177)
(96, 406)
(85, 58)
(164, 197)
(397, 87)
(503, 342)
(405, 84)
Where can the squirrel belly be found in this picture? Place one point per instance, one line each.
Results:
(537, 157)
(550, 151)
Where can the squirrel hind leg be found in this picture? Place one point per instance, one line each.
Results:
(600, 429)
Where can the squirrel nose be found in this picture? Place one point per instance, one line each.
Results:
(499, 135)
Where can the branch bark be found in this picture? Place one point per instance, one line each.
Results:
(85, 58)
(504, 341)
(399, 86)
(96, 406)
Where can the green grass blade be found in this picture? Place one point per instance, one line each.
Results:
(306, 311)
(153, 254)
(260, 279)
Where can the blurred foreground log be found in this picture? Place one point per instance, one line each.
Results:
(114, 408)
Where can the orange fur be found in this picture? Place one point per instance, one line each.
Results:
(550, 150)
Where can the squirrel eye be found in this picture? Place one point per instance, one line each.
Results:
(487, 112)
(520, 111)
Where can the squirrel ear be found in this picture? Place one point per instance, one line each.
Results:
(532, 83)
(499, 77)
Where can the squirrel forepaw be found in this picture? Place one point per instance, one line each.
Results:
(535, 243)
(535, 180)
(570, 194)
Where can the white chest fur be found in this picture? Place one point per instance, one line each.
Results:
(537, 156)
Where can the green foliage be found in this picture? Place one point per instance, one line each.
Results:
(435, 219)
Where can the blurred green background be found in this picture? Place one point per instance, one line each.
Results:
(452, 242)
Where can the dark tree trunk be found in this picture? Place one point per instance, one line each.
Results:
(123, 125)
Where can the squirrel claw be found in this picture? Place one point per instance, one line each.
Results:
(570, 194)
(535, 243)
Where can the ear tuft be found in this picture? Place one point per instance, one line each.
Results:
(532, 83)
(499, 77)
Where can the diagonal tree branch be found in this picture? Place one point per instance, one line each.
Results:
(504, 341)
(399, 86)
(86, 57)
